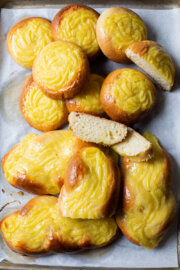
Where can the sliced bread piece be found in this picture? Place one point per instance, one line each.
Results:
(94, 129)
(98, 130)
(154, 60)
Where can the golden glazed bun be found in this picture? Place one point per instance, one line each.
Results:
(88, 100)
(39, 229)
(40, 111)
(116, 29)
(127, 95)
(38, 163)
(154, 60)
(148, 205)
(77, 24)
(61, 69)
(91, 186)
(124, 141)
(27, 38)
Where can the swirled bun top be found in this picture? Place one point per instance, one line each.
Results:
(88, 100)
(91, 187)
(154, 60)
(27, 38)
(148, 202)
(38, 228)
(116, 29)
(77, 24)
(38, 163)
(127, 95)
(40, 111)
(61, 69)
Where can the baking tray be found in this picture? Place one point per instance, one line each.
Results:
(144, 4)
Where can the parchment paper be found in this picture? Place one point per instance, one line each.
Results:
(164, 122)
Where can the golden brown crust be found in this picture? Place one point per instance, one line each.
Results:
(105, 43)
(141, 47)
(109, 102)
(74, 87)
(62, 14)
(43, 127)
(52, 243)
(18, 25)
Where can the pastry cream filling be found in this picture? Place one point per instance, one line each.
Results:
(28, 40)
(123, 29)
(89, 97)
(58, 65)
(161, 62)
(133, 92)
(41, 159)
(37, 226)
(79, 27)
(87, 199)
(42, 110)
(153, 203)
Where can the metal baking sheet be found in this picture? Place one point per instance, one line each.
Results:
(148, 4)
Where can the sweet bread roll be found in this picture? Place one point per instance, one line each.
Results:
(38, 163)
(127, 95)
(77, 24)
(39, 229)
(61, 69)
(97, 130)
(124, 141)
(27, 38)
(116, 29)
(154, 60)
(91, 186)
(148, 204)
(40, 111)
(88, 100)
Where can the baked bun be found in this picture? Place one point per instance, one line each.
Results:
(40, 111)
(91, 186)
(61, 69)
(39, 229)
(38, 163)
(27, 38)
(116, 29)
(154, 60)
(77, 24)
(148, 202)
(88, 100)
(127, 95)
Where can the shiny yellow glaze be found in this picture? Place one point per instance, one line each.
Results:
(151, 201)
(90, 194)
(58, 65)
(89, 98)
(41, 159)
(79, 26)
(133, 91)
(34, 229)
(161, 62)
(41, 110)
(29, 39)
(124, 28)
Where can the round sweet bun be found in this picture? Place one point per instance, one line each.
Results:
(127, 95)
(88, 100)
(116, 29)
(77, 24)
(154, 60)
(27, 38)
(61, 69)
(40, 111)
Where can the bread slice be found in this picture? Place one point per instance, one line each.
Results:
(135, 146)
(98, 130)
(94, 129)
(146, 55)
